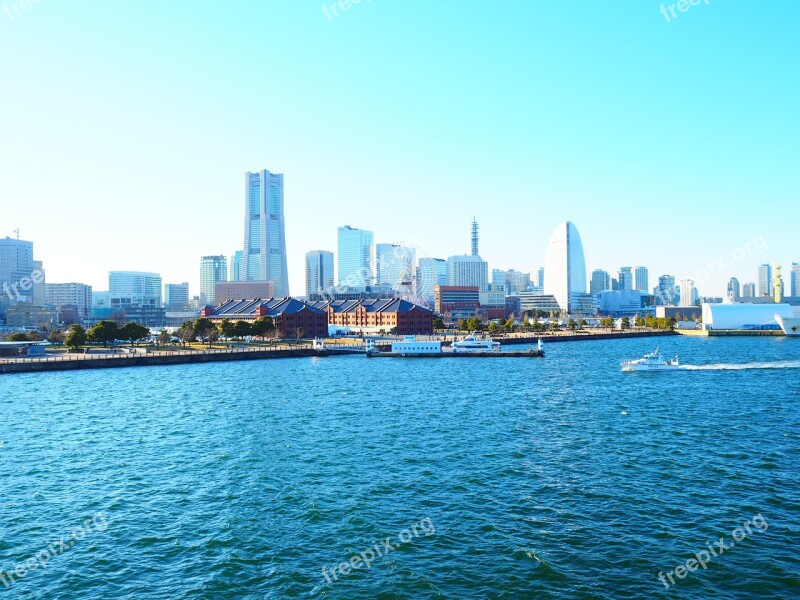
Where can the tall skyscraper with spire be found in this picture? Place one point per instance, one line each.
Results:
(264, 257)
(474, 237)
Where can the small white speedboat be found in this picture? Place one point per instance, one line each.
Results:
(652, 361)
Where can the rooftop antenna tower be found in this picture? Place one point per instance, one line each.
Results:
(474, 237)
(16, 233)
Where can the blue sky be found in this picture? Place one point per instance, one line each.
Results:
(126, 129)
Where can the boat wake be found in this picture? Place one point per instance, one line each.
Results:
(785, 364)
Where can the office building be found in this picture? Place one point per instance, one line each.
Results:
(134, 288)
(666, 292)
(467, 270)
(566, 268)
(213, 269)
(176, 296)
(510, 281)
(236, 270)
(236, 290)
(448, 298)
(601, 281)
(689, 294)
(749, 290)
(21, 277)
(764, 280)
(641, 280)
(395, 266)
(264, 255)
(734, 291)
(61, 295)
(355, 257)
(625, 278)
(319, 272)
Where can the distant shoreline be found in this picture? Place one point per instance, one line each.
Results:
(78, 362)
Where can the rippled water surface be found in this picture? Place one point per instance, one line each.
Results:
(525, 478)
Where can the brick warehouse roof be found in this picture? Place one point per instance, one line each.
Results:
(274, 307)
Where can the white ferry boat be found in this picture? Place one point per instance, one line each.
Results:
(652, 361)
(473, 344)
(790, 326)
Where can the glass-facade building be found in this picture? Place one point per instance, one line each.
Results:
(134, 288)
(565, 266)
(264, 256)
(355, 257)
(212, 270)
(764, 280)
(319, 271)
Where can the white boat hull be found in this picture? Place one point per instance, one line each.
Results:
(791, 327)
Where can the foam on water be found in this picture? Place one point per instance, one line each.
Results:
(786, 364)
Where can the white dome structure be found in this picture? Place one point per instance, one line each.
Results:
(565, 267)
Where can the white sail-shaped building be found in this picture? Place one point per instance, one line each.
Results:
(565, 269)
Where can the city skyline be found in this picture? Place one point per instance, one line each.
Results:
(608, 164)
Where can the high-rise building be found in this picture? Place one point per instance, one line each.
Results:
(236, 270)
(176, 296)
(625, 278)
(688, 293)
(666, 292)
(601, 281)
(749, 290)
(319, 271)
(474, 237)
(430, 273)
(794, 280)
(537, 277)
(21, 277)
(734, 289)
(395, 266)
(134, 288)
(264, 257)
(565, 266)
(212, 270)
(78, 295)
(764, 280)
(355, 257)
(641, 280)
(468, 270)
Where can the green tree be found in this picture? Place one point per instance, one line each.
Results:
(583, 323)
(493, 327)
(133, 332)
(509, 324)
(76, 337)
(474, 324)
(103, 332)
(18, 337)
(438, 323)
(626, 322)
(462, 325)
(639, 321)
(164, 337)
(607, 322)
(56, 336)
(187, 333)
(241, 329)
(572, 324)
(226, 328)
(262, 326)
(204, 329)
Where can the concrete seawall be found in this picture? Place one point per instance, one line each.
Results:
(80, 362)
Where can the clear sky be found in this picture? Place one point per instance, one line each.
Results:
(126, 129)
